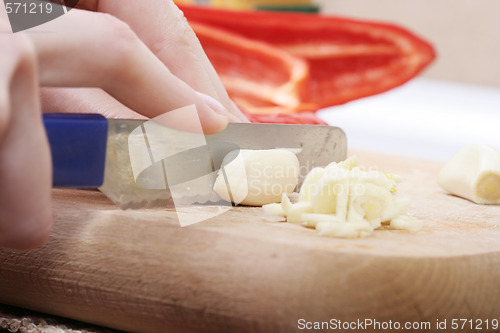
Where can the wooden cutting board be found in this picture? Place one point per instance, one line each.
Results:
(240, 272)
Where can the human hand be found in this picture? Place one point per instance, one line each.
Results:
(171, 44)
(25, 167)
(127, 70)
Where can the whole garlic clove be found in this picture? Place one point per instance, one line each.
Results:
(257, 177)
(474, 174)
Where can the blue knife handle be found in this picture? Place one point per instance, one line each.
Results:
(78, 148)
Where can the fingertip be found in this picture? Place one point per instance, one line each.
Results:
(213, 104)
(27, 235)
(233, 113)
(213, 115)
(217, 123)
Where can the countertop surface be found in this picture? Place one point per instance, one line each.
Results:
(424, 118)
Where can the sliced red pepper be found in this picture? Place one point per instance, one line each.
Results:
(259, 78)
(347, 59)
(294, 118)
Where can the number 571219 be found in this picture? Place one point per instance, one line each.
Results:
(477, 324)
(28, 8)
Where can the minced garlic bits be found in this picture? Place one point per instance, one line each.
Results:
(342, 200)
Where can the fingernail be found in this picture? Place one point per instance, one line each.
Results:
(214, 104)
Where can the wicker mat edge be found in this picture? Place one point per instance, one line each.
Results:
(17, 320)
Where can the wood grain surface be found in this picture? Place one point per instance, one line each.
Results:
(240, 272)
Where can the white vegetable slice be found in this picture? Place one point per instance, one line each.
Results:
(326, 200)
(257, 177)
(349, 163)
(368, 202)
(474, 174)
(311, 220)
(406, 222)
(344, 230)
(274, 209)
(296, 211)
(396, 207)
(310, 186)
(285, 203)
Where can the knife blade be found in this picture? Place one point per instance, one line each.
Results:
(137, 163)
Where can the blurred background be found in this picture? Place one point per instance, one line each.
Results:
(466, 34)
(453, 103)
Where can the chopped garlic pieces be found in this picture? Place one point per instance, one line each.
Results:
(405, 222)
(309, 185)
(274, 209)
(344, 230)
(312, 220)
(342, 200)
(295, 212)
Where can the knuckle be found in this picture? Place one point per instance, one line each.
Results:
(121, 44)
(179, 33)
(18, 50)
(119, 35)
(18, 63)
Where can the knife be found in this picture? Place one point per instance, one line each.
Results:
(137, 163)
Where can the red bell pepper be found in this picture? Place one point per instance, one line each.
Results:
(345, 59)
(259, 78)
(292, 118)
